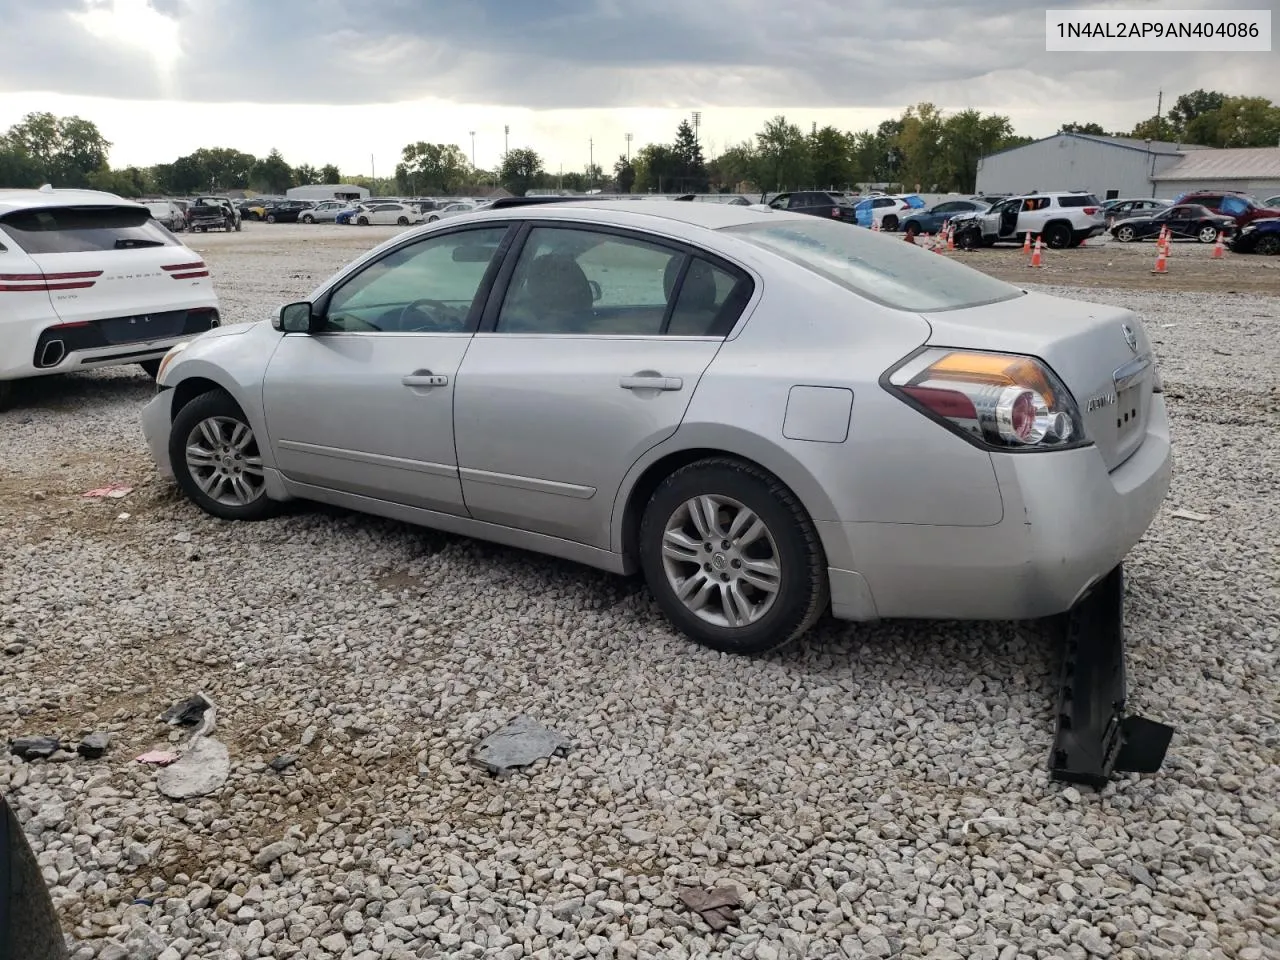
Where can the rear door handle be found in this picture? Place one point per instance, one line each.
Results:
(651, 383)
(425, 378)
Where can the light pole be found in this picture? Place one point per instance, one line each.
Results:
(591, 163)
(473, 149)
(628, 138)
(506, 141)
(697, 122)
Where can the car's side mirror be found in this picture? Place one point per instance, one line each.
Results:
(596, 292)
(295, 318)
(29, 928)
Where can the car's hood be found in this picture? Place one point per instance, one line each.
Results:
(232, 330)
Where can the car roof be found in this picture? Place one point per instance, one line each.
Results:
(11, 200)
(711, 216)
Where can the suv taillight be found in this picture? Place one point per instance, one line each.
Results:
(1090, 211)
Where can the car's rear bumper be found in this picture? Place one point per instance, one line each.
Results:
(157, 422)
(1067, 522)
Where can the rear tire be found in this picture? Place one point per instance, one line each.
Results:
(1267, 246)
(271, 218)
(432, 219)
(362, 221)
(6, 394)
(152, 367)
(228, 467)
(403, 222)
(889, 223)
(785, 557)
(1207, 234)
(308, 219)
(1057, 236)
(1125, 234)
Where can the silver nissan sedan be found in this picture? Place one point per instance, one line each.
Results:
(770, 415)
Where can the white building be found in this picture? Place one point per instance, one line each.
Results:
(328, 191)
(1252, 170)
(1107, 167)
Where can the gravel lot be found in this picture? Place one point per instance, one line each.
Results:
(831, 783)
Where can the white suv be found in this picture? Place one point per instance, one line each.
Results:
(1065, 219)
(88, 279)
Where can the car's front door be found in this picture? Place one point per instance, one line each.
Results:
(589, 360)
(365, 404)
(1182, 221)
(1008, 214)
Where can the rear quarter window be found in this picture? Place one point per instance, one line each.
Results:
(1078, 201)
(882, 270)
(85, 229)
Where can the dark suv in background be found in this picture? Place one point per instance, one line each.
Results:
(817, 203)
(1240, 207)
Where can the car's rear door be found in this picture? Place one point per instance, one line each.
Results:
(591, 348)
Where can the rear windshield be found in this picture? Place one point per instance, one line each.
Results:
(85, 229)
(890, 272)
(1078, 200)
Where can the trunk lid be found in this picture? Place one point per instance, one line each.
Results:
(1085, 344)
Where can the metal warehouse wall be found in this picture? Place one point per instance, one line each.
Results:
(1068, 163)
(1258, 188)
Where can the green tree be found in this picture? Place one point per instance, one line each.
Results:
(521, 170)
(272, 173)
(920, 140)
(832, 163)
(306, 175)
(624, 175)
(783, 156)
(1092, 129)
(433, 167)
(735, 168)
(692, 167)
(657, 169)
(967, 137)
(63, 151)
(1239, 122)
(1191, 105)
(593, 176)
(330, 174)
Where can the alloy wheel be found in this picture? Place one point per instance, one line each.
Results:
(721, 561)
(223, 459)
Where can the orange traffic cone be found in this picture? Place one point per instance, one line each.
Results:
(1219, 251)
(1035, 254)
(911, 237)
(1162, 260)
(1026, 243)
(951, 237)
(875, 226)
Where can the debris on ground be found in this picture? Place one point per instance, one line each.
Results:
(187, 713)
(201, 770)
(116, 491)
(717, 907)
(94, 745)
(283, 762)
(518, 744)
(34, 748)
(159, 757)
(1190, 515)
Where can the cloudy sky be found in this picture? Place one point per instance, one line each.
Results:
(351, 81)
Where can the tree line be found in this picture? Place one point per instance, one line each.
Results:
(923, 149)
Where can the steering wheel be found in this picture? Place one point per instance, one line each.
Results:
(442, 318)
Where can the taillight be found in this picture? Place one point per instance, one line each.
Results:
(1090, 211)
(1001, 400)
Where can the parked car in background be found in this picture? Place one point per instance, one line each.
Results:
(1273, 202)
(1062, 219)
(384, 213)
(1185, 221)
(212, 213)
(348, 215)
(1240, 207)
(1261, 236)
(286, 211)
(326, 211)
(636, 397)
(253, 209)
(448, 210)
(814, 203)
(887, 212)
(88, 279)
(1120, 209)
(168, 213)
(933, 219)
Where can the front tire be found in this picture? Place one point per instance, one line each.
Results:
(363, 221)
(889, 223)
(308, 219)
(1267, 246)
(1208, 234)
(402, 221)
(1125, 234)
(216, 459)
(271, 218)
(6, 394)
(732, 557)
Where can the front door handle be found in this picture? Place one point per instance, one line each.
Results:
(651, 383)
(425, 378)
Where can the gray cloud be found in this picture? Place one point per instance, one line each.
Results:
(598, 53)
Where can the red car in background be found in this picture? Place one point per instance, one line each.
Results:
(1240, 207)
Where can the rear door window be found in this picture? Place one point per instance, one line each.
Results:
(1078, 200)
(85, 229)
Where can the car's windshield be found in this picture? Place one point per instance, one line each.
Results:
(886, 271)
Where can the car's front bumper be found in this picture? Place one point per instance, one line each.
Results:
(1067, 523)
(157, 423)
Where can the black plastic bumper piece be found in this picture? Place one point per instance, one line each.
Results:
(1094, 738)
